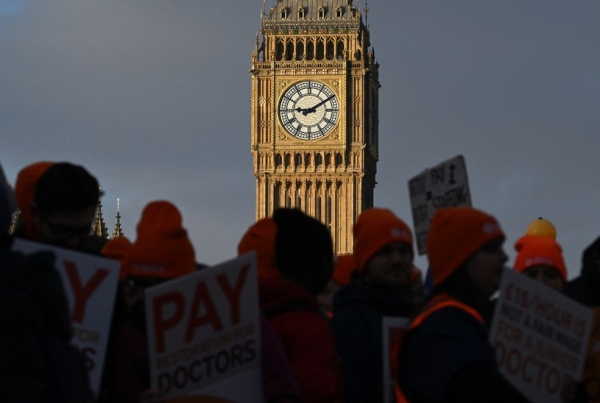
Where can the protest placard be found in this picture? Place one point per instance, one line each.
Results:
(540, 337)
(90, 284)
(393, 331)
(204, 329)
(444, 185)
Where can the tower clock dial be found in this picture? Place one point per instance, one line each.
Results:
(308, 110)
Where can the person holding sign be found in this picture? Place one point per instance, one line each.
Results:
(541, 259)
(446, 355)
(162, 251)
(383, 256)
(38, 363)
(63, 208)
(295, 261)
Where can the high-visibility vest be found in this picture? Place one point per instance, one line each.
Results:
(438, 302)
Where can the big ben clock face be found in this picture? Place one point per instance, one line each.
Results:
(308, 110)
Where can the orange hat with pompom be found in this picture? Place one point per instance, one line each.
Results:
(118, 248)
(539, 251)
(260, 238)
(455, 233)
(162, 248)
(344, 267)
(374, 229)
(25, 186)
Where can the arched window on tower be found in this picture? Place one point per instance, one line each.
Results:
(278, 160)
(320, 49)
(298, 202)
(318, 160)
(298, 160)
(321, 13)
(301, 13)
(338, 160)
(284, 13)
(279, 51)
(330, 50)
(307, 161)
(287, 161)
(339, 12)
(340, 50)
(299, 50)
(327, 160)
(276, 195)
(318, 211)
(289, 50)
(310, 49)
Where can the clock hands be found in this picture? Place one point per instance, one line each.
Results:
(312, 109)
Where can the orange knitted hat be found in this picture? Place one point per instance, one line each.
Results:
(539, 250)
(375, 228)
(118, 248)
(260, 237)
(455, 234)
(344, 266)
(25, 186)
(162, 248)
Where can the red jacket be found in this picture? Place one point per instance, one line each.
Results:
(306, 337)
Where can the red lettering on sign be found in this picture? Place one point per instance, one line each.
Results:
(162, 324)
(233, 294)
(202, 297)
(82, 292)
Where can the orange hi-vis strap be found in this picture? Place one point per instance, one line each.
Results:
(438, 302)
(442, 301)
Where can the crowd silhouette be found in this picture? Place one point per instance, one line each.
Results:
(321, 315)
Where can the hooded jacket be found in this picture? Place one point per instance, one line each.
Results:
(358, 313)
(307, 340)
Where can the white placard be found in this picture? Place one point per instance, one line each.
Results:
(540, 337)
(204, 328)
(90, 284)
(445, 185)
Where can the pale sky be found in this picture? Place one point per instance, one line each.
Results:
(153, 97)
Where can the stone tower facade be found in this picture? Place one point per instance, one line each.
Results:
(314, 113)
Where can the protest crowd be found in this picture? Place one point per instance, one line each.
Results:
(320, 316)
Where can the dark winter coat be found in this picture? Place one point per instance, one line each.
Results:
(293, 314)
(358, 313)
(448, 358)
(586, 288)
(37, 361)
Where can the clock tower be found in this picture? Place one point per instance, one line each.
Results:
(314, 113)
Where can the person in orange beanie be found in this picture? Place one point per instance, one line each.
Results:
(295, 261)
(260, 238)
(383, 258)
(446, 355)
(61, 213)
(25, 183)
(161, 251)
(541, 259)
